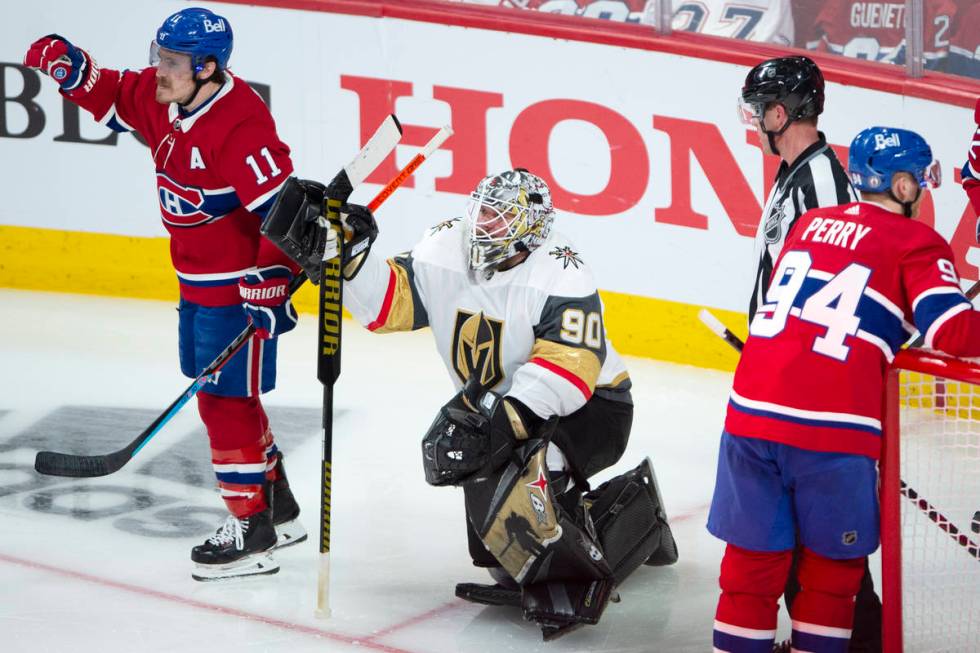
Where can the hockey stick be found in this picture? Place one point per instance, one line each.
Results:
(718, 328)
(328, 352)
(942, 521)
(54, 463)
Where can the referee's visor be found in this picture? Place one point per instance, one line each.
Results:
(750, 113)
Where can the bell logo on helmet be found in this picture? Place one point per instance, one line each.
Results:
(216, 26)
(891, 140)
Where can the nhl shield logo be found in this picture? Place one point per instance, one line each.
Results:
(849, 538)
(774, 223)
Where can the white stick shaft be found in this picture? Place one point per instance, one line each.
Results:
(323, 587)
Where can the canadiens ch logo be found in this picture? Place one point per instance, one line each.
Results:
(567, 256)
(476, 348)
(181, 206)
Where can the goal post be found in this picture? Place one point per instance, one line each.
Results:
(929, 498)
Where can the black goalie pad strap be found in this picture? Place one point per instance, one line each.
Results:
(559, 607)
(630, 522)
(294, 224)
(488, 594)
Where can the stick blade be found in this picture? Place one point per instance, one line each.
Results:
(375, 150)
(52, 463)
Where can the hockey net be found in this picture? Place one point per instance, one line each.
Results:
(930, 495)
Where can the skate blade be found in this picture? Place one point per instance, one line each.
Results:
(254, 565)
(289, 533)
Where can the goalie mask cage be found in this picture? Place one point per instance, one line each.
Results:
(930, 495)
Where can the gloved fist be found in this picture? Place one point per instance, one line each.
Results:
(361, 230)
(473, 435)
(265, 298)
(56, 57)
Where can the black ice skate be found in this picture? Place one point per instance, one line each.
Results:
(285, 511)
(240, 547)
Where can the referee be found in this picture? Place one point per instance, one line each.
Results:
(782, 99)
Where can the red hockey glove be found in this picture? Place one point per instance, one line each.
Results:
(56, 57)
(265, 298)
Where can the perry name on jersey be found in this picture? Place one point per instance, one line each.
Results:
(218, 169)
(852, 284)
(534, 332)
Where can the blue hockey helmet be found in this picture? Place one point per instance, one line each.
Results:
(198, 32)
(877, 153)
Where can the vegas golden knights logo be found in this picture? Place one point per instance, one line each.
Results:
(476, 348)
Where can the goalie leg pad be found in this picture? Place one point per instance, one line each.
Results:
(559, 607)
(630, 521)
(514, 512)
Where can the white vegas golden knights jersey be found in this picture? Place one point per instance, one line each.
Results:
(534, 332)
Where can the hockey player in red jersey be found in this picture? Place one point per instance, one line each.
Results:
(876, 30)
(803, 429)
(544, 399)
(964, 45)
(219, 165)
(971, 170)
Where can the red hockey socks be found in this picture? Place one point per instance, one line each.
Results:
(823, 611)
(751, 583)
(242, 450)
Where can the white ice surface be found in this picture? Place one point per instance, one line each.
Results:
(68, 583)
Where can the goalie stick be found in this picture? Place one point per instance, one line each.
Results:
(328, 351)
(931, 512)
(53, 463)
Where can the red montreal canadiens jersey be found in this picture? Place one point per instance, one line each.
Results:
(214, 167)
(876, 30)
(971, 172)
(850, 286)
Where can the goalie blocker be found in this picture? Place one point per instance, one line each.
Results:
(560, 554)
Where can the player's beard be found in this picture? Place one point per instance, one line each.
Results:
(165, 92)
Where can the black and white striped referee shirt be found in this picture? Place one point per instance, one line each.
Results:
(815, 179)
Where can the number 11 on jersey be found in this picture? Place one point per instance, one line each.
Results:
(260, 177)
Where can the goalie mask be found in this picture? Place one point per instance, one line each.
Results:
(508, 213)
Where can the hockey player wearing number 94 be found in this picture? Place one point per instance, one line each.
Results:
(544, 399)
(803, 430)
(219, 166)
